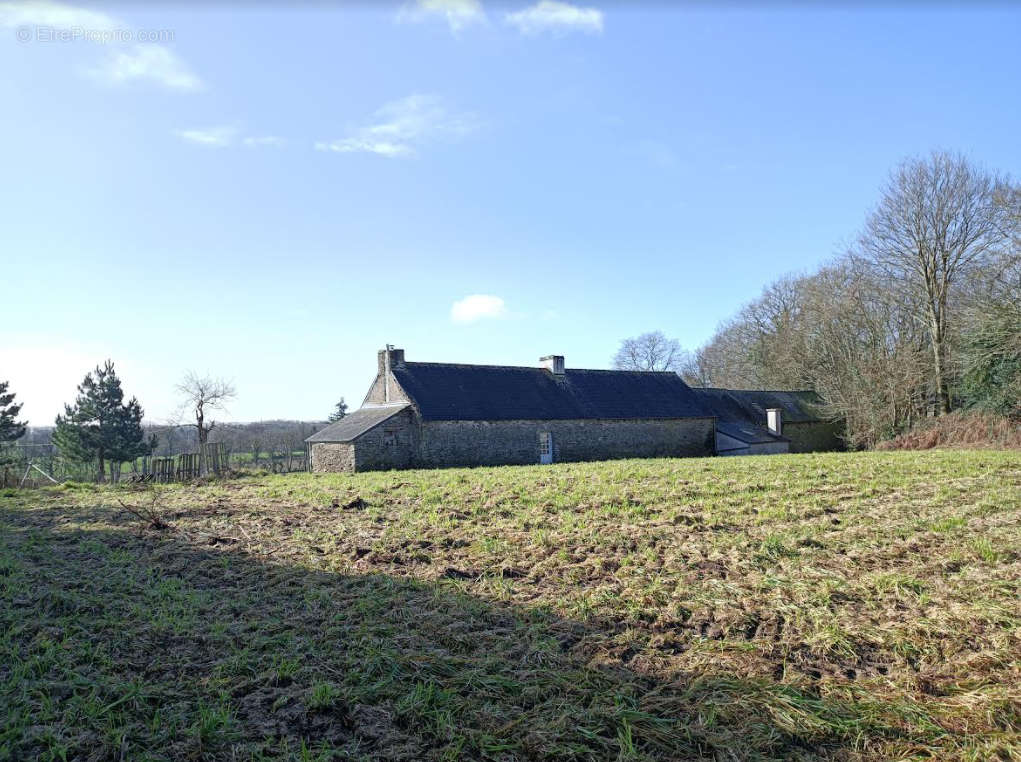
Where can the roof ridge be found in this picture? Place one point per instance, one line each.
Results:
(537, 368)
(766, 391)
(471, 365)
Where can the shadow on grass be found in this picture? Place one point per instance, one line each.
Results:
(121, 646)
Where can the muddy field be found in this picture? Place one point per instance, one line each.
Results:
(846, 606)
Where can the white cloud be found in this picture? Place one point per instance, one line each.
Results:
(213, 137)
(123, 63)
(458, 13)
(477, 307)
(55, 16)
(155, 63)
(359, 145)
(225, 136)
(401, 126)
(557, 18)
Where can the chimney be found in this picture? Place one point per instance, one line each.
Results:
(553, 363)
(386, 360)
(774, 420)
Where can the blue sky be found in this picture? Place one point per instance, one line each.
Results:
(271, 194)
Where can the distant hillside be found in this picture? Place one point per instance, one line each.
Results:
(264, 436)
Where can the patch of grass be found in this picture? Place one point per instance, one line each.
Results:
(322, 696)
(846, 606)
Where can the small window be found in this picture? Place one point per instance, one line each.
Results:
(389, 438)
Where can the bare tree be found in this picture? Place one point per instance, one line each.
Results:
(650, 351)
(937, 218)
(841, 332)
(202, 394)
(696, 370)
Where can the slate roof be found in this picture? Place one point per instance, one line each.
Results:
(797, 406)
(454, 392)
(356, 423)
(748, 433)
(749, 406)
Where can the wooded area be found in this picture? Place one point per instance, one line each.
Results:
(921, 316)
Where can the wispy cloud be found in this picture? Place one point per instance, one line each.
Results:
(477, 307)
(124, 62)
(458, 13)
(54, 16)
(556, 18)
(154, 63)
(360, 145)
(399, 128)
(225, 136)
(212, 137)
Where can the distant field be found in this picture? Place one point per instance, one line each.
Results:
(845, 606)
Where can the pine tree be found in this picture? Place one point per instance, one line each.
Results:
(10, 429)
(340, 410)
(100, 426)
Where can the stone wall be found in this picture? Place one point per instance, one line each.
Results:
(818, 436)
(404, 442)
(391, 444)
(333, 456)
(473, 443)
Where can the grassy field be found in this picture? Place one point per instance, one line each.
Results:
(846, 606)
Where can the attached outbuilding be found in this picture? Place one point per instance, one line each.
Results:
(755, 422)
(421, 414)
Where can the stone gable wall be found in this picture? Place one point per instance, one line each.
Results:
(377, 392)
(391, 444)
(333, 456)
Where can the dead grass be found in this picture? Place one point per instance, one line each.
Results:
(846, 606)
(971, 429)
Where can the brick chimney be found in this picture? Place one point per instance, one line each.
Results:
(553, 363)
(774, 420)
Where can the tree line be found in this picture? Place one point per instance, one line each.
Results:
(922, 315)
(103, 429)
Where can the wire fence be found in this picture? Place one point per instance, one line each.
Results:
(36, 465)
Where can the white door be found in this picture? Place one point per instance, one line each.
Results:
(545, 447)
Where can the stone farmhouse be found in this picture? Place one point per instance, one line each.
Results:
(423, 414)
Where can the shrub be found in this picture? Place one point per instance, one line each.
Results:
(973, 429)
